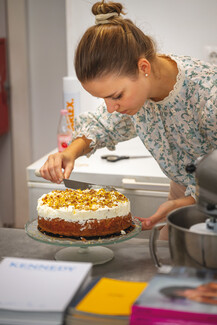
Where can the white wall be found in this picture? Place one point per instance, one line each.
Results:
(47, 67)
(182, 27)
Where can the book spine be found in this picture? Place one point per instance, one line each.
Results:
(142, 315)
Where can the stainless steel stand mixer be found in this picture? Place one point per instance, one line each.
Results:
(192, 229)
(206, 191)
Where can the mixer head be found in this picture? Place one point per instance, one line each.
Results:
(206, 189)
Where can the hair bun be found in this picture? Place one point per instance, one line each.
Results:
(105, 8)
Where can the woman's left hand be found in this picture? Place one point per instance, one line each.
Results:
(163, 210)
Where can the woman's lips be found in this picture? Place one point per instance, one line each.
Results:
(123, 112)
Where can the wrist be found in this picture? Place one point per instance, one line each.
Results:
(78, 147)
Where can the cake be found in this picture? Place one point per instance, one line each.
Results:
(87, 213)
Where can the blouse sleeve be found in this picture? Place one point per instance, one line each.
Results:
(208, 128)
(103, 128)
(191, 191)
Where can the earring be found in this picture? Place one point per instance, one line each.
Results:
(146, 75)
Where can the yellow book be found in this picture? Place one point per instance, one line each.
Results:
(111, 297)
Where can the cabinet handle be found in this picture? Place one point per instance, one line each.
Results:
(133, 184)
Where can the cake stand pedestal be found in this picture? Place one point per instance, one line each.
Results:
(80, 250)
(94, 255)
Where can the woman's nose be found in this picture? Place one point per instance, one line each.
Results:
(111, 107)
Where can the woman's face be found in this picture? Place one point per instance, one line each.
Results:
(121, 94)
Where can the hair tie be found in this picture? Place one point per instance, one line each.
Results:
(104, 18)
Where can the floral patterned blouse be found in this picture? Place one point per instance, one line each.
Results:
(176, 130)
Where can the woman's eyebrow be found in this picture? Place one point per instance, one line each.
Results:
(112, 95)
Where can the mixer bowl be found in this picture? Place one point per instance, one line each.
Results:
(187, 247)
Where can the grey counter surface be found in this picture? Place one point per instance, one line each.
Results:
(131, 262)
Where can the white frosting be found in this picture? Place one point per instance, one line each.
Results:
(70, 214)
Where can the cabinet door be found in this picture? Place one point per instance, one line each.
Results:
(35, 191)
(144, 203)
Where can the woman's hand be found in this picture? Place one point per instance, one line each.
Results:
(61, 164)
(163, 210)
(52, 169)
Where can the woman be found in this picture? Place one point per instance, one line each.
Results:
(166, 100)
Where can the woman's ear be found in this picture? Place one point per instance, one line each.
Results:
(144, 66)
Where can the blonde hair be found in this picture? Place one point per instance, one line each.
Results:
(112, 47)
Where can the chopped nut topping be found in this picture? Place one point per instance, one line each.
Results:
(83, 200)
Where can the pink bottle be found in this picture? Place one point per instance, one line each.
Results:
(64, 131)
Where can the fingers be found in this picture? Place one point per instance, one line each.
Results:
(68, 170)
(52, 169)
(153, 220)
(146, 223)
(158, 216)
(163, 210)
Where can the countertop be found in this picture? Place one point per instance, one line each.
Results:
(131, 262)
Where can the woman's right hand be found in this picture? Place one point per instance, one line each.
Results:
(58, 166)
(61, 164)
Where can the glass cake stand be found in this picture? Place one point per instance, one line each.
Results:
(80, 249)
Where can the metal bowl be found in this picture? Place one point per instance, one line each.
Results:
(187, 247)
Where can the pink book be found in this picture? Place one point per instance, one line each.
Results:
(184, 296)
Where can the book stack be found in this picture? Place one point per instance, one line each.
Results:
(37, 292)
(105, 301)
(184, 296)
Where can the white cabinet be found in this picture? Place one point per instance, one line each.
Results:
(141, 180)
(144, 203)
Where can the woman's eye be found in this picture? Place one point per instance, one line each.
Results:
(117, 97)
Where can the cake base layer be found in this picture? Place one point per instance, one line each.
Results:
(89, 228)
